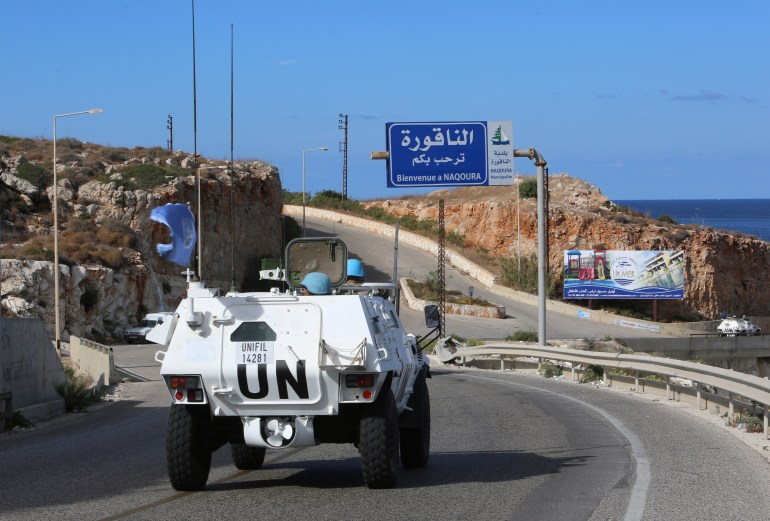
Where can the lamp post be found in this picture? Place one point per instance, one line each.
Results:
(56, 225)
(303, 184)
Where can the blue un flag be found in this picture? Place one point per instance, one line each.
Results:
(181, 223)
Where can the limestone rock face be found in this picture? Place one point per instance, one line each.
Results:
(724, 271)
(101, 301)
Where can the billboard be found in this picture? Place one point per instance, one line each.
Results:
(622, 274)
(465, 153)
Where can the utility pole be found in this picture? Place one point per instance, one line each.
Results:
(170, 127)
(344, 149)
(441, 270)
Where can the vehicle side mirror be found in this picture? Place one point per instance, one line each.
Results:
(431, 316)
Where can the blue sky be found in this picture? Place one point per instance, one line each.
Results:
(646, 100)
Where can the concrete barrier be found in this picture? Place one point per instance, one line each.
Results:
(94, 359)
(456, 309)
(30, 368)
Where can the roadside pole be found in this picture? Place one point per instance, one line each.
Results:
(542, 263)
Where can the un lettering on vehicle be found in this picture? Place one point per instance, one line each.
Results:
(257, 352)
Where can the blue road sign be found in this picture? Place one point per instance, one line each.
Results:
(470, 153)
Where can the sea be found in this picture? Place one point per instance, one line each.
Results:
(747, 216)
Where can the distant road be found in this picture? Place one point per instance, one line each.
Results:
(376, 252)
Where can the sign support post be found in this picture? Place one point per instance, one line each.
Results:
(542, 263)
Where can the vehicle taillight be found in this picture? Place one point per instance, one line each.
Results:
(185, 388)
(359, 380)
(183, 382)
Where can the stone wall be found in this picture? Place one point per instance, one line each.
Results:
(30, 368)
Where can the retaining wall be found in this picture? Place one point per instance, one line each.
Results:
(30, 368)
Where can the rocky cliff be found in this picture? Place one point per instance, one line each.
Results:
(724, 271)
(100, 301)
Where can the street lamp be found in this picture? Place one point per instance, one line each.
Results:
(303, 184)
(56, 225)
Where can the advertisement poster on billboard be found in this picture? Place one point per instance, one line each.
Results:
(620, 274)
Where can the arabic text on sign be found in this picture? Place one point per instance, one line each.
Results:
(461, 138)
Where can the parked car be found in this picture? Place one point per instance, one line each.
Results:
(138, 333)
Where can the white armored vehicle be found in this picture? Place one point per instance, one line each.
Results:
(734, 326)
(289, 368)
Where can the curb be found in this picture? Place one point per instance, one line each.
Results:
(413, 302)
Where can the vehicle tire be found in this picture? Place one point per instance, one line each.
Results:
(247, 458)
(188, 456)
(415, 441)
(378, 441)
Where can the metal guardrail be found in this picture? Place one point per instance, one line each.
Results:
(751, 387)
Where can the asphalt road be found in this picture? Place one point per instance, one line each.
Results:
(504, 446)
(376, 253)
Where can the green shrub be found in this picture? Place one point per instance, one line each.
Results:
(69, 142)
(115, 155)
(76, 391)
(377, 213)
(523, 336)
(592, 374)
(327, 197)
(748, 421)
(145, 177)
(548, 369)
(8, 139)
(667, 219)
(526, 278)
(292, 197)
(37, 248)
(456, 239)
(528, 188)
(38, 176)
(20, 421)
(431, 281)
(409, 221)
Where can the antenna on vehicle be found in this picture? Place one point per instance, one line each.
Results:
(395, 268)
(195, 149)
(233, 289)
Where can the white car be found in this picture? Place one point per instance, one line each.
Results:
(138, 333)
